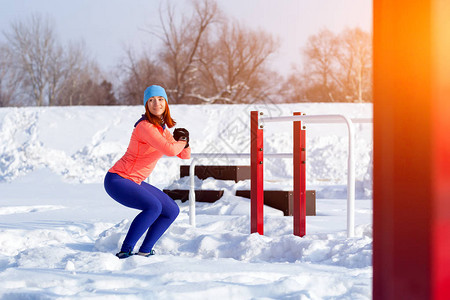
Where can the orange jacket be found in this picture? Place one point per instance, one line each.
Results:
(148, 144)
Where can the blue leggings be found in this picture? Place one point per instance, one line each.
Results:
(158, 210)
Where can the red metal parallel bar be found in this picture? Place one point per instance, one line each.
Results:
(257, 179)
(303, 180)
(299, 205)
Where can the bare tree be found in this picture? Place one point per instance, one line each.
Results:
(56, 72)
(34, 45)
(355, 59)
(70, 74)
(181, 42)
(9, 78)
(233, 67)
(85, 85)
(135, 75)
(296, 87)
(67, 68)
(48, 73)
(207, 59)
(336, 68)
(92, 93)
(320, 57)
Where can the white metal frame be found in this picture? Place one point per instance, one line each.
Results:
(311, 119)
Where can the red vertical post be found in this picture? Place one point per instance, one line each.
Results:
(299, 152)
(257, 179)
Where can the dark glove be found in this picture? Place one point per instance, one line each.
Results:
(181, 134)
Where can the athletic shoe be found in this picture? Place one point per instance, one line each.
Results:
(122, 254)
(152, 252)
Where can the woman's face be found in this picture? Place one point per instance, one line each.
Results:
(157, 105)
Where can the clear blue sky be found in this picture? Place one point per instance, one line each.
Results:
(108, 26)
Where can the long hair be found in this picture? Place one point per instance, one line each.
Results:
(157, 121)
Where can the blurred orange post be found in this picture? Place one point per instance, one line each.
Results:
(411, 226)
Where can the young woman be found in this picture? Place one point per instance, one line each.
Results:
(124, 182)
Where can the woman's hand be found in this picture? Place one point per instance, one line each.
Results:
(181, 134)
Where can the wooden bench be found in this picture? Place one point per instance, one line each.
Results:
(209, 196)
(283, 200)
(235, 173)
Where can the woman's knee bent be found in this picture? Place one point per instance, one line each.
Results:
(175, 211)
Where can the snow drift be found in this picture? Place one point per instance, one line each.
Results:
(59, 230)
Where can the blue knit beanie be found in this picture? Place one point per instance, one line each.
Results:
(154, 90)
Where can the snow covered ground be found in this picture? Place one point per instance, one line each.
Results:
(59, 230)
